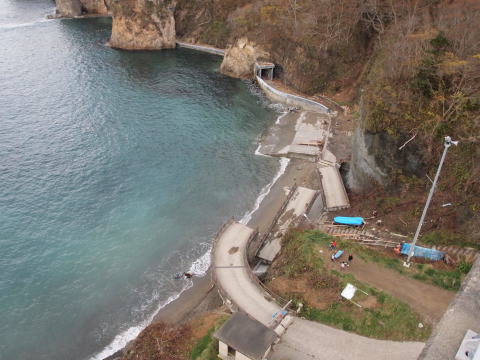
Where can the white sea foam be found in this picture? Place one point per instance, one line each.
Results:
(258, 153)
(281, 117)
(248, 215)
(278, 107)
(201, 265)
(14, 26)
(122, 339)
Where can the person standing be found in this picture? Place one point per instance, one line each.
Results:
(350, 258)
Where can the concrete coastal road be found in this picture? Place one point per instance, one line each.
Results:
(305, 340)
(231, 269)
(232, 274)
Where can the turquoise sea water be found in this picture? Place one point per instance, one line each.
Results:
(116, 168)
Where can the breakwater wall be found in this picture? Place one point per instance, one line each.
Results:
(289, 99)
(270, 91)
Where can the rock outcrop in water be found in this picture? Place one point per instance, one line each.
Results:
(240, 58)
(72, 8)
(68, 8)
(143, 24)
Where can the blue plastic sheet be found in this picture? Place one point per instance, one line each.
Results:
(347, 220)
(426, 253)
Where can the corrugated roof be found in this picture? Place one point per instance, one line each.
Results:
(246, 335)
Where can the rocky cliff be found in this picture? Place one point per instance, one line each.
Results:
(240, 58)
(95, 7)
(142, 24)
(415, 65)
(378, 157)
(68, 8)
(71, 8)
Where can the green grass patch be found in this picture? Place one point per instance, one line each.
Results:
(206, 348)
(383, 317)
(448, 238)
(444, 278)
(202, 345)
(300, 252)
(389, 318)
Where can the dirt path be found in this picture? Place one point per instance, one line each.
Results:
(428, 300)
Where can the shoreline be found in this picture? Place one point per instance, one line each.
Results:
(202, 295)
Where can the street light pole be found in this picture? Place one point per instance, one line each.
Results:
(448, 142)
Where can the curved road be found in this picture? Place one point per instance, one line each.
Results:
(303, 339)
(231, 273)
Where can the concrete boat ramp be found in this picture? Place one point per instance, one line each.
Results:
(306, 135)
(297, 134)
(298, 205)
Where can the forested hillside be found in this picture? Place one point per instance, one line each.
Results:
(409, 69)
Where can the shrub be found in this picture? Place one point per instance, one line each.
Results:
(323, 280)
(464, 267)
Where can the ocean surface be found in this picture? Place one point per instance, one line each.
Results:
(116, 170)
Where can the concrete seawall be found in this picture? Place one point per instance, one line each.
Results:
(270, 91)
(207, 49)
(289, 99)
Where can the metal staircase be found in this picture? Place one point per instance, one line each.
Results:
(358, 234)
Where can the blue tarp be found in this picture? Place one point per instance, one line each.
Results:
(347, 220)
(338, 254)
(419, 251)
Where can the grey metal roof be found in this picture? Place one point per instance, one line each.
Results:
(246, 335)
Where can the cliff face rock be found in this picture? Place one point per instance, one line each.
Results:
(142, 24)
(377, 159)
(240, 58)
(68, 8)
(95, 7)
(71, 8)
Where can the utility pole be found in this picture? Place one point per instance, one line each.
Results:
(448, 142)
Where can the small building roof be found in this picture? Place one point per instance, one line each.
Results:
(265, 65)
(246, 335)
